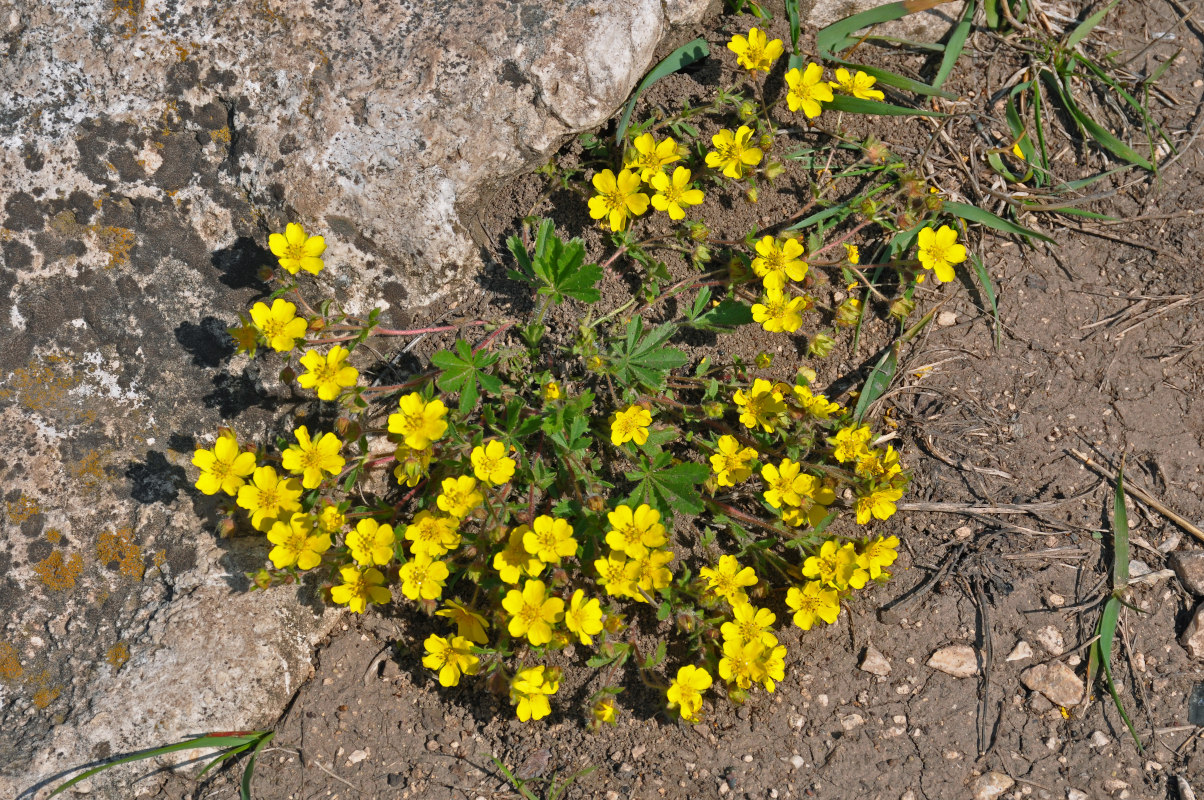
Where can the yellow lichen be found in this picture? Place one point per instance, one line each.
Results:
(59, 573)
(119, 546)
(10, 665)
(117, 656)
(89, 472)
(54, 536)
(222, 134)
(117, 242)
(22, 509)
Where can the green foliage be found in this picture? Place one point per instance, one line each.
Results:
(466, 372)
(642, 358)
(668, 486)
(557, 268)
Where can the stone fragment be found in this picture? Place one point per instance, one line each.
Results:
(1050, 639)
(851, 721)
(1021, 651)
(1138, 568)
(797, 761)
(1189, 569)
(958, 660)
(874, 662)
(356, 757)
(992, 784)
(1077, 794)
(946, 319)
(1193, 637)
(1055, 600)
(1056, 681)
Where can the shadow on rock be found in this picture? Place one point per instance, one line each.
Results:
(241, 262)
(155, 480)
(208, 343)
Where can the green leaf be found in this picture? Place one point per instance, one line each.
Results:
(644, 358)
(878, 382)
(894, 79)
(248, 773)
(855, 105)
(796, 27)
(837, 37)
(984, 280)
(953, 47)
(728, 314)
(1120, 536)
(683, 56)
(463, 371)
(557, 268)
(1086, 26)
(666, 488)
(1105, 138)
(982, 217)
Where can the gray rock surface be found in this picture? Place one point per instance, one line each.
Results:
(1193, 636)
(1189, 569)
(147, 149)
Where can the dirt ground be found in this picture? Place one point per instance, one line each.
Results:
(1006, 540)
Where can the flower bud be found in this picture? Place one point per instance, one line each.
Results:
(748, 111)
(751, 194)
(317, 324)
(764, 360)
(262, 579)
(287, 375)
(901, 309)
(774, 169)
(766, 142)
(820, 345)
(848, 312)
(699, 232)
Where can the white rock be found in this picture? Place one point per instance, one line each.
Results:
(946, 319)
(1193, 637)
(963, 532)
(356, 757)
(798, 762)
(1055, 681)
(1021, 651)
(874, 662)
(958, 660)
(1100, 740)
(992, 784)
(851, 721)
(1056, 600)
(1189, 568)
(1050, 639)
(1076, 794)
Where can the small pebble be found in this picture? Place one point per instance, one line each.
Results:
(747, 759)
(1076, 794)
(797, 761)
(1056, 681)
(1050, 639)
(1021, 651)
(1100, 740)
(1056, 601)
(356, 756)
(1189, 569)
(638, 751)
(1193, 636)
(874, 662)
(992, 784)
(432, 745)
(963, 532)
(958, 660)
(851, 721)
(946, 319)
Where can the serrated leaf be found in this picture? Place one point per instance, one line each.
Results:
(728, 314)
(461, 371)
(670, 489)
(556, 267)
(643, 358)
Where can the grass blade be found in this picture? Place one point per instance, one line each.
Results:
(957, 41)
(1085, 27)
(855, 105)
(1102, 135)
(1120, 535)
(836, 37)
(796, 27)
(984, 280)
(878, 382)
(683, 56)
(982, 217)
(248, 773)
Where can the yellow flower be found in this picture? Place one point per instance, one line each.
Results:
(780, 313)
(760, 405)
(741, 662)
(420, 422)
(617, 197)
(750, 624)
(423, 578)
(491, 464)
(514, 561)
(651, 157)
(877, 554)
(450, 657)
(584, 617)
(836, 566)
(630, 426)
(851, 443)
(360, 588)
(731, 463)
(550, 539)
(296, 251)
(807, 90)
(330, 519)
(459, 496)
(778, 262)
(412, 465)
(939, 251)
(532, 612)
(371, 543)
(733, 152)
(432, 535)
(604, 711)
(857, 84)
(295, 544)
(814, 499)
(729, 580)
(310, 459)
(329, 375)
(685, 691)
(650, 572)
(614, 575)
(280, 325)
(852, 253)
(673, 193)
(815, 405)
(469, 623)
(880, 504)
(268, 497)
(756, 52)
(876, 464)
(773, 665)
(812, 602)
(223, 468)
(785, 484)
(529, 691)
(551, 391)
(635, 532)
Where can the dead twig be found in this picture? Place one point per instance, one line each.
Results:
(1142, 495)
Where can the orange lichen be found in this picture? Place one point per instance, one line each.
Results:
(119, 546)
(59, 573)
(117, 242)
(22, 509)
(89, 472)
(54, 536)
(222, 134)
(40, 386)
(117, 656)
(10, 665)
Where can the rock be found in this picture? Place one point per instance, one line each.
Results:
(958, 660)
(851, 721)
(797, 761)
(963, 532)
(638, 751)
(1077, 794)
(356, 757)
(147, 150)
(1189, 569)
(1138, 568)
(874, 662)
(946, 319)
(1055, 601)
(1050, 639)
(1056, 681)
(1021, 651)
(992, 784)
(1193, 636)
(1099, 740)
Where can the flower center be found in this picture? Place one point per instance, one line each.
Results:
(268, 499)
(273, 328)
(616, 200)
